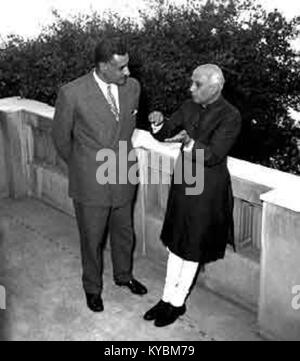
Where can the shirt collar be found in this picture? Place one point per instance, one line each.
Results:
(102, 83)
(99, 80)
(214, 104)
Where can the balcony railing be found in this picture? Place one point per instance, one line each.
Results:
(261, 275)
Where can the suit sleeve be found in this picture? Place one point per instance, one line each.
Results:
(171, 126)
(63, 125)
(221, 142)
(137, 94)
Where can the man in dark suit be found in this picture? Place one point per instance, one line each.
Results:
(197, 227)
(93, 113)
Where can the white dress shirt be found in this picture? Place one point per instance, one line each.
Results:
(103, 88)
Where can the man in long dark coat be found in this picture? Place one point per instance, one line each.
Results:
(197, 228)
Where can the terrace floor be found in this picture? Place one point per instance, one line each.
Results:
(41, 270)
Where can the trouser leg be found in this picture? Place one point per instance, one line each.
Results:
(179, 279)
(92, 223)
(122, 242)
(174, 266)
(186, 279)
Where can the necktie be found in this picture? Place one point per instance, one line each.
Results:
(112, 102)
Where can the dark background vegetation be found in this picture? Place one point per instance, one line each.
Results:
(251, 45)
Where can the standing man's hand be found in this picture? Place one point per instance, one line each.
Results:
(156, 118)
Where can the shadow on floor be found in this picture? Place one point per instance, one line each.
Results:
(41, 269)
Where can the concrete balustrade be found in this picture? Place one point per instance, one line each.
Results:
(279, 303)
(4, 182)
(263, 273)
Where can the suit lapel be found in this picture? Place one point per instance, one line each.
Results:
(97, 100)
(100, 106)
(122, 109)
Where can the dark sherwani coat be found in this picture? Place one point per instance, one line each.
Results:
(199, 227)
(83, 125)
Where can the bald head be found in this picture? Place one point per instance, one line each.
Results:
(207, 83)
(212, 73)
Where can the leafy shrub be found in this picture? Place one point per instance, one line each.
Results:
(251, 45)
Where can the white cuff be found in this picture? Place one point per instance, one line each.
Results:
(188, 147)
(156, 128)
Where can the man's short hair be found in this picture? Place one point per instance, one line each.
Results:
(108, 47)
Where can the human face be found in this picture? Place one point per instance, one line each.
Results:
(116, 70)
(201, 89)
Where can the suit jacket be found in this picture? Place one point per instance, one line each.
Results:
(84, 125)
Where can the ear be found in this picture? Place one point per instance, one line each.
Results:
(215, 88)
(102, 67)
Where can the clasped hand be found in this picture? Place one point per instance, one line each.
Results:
(156, 118)
(181, 137)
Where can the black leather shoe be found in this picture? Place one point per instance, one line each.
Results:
(135, 286)
(155, 311)
(94, 302)
(169, 316)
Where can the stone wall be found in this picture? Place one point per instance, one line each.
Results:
(4, 191)
(267, 213)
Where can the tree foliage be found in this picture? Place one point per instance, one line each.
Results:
(252, 46)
